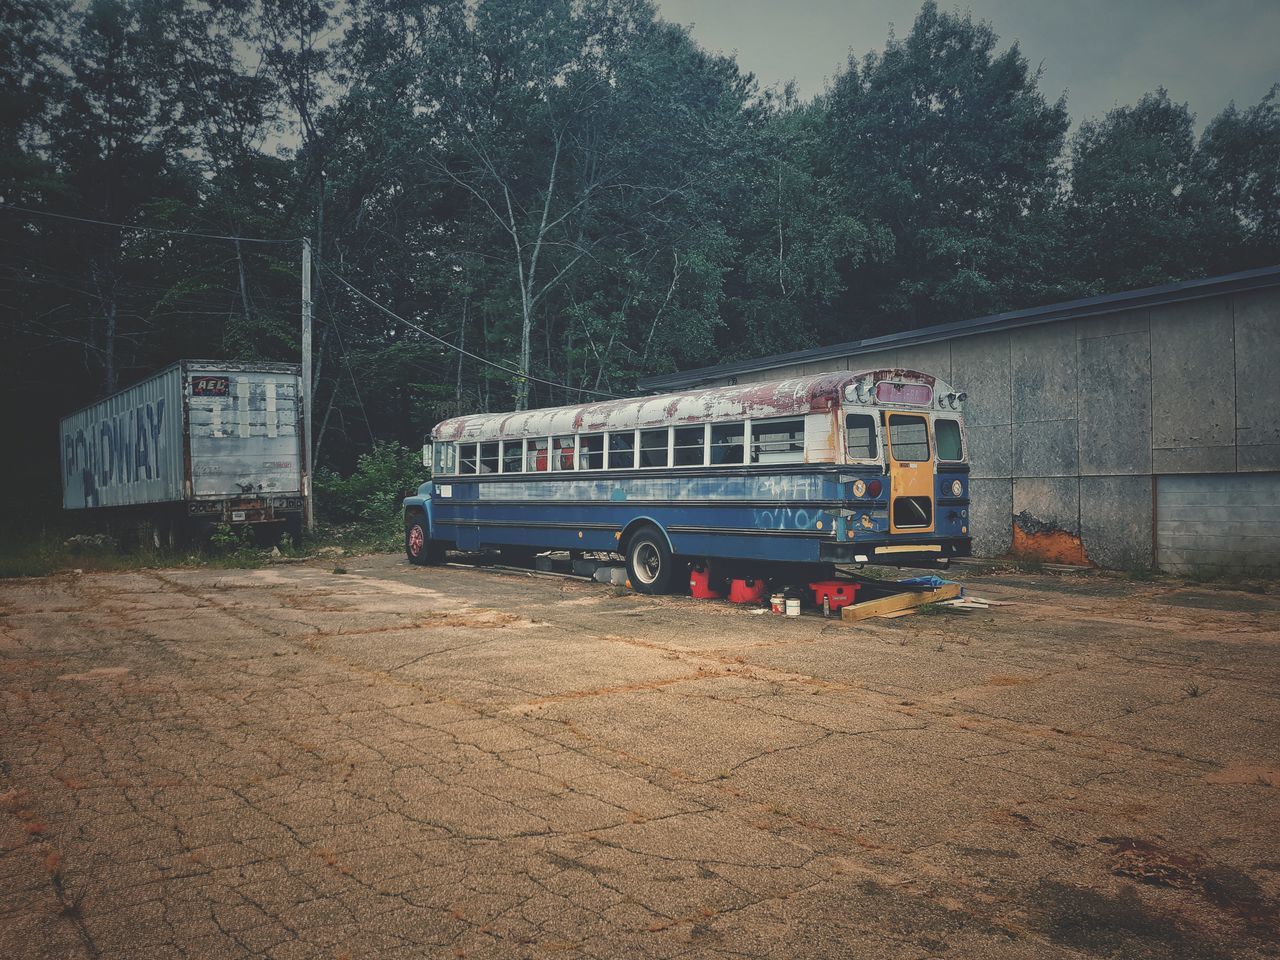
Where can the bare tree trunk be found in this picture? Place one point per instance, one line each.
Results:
(109, 354)
(462, 343)
(244, 290)
(104, 281)
(484, 331)
(333, 398)
(782, 286)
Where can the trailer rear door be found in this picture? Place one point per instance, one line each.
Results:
(244, 435)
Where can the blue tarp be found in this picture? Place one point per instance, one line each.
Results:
(930, 581)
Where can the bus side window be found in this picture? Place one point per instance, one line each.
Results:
(689, 444)
(946, 434)
(860, 437)
(622, 451)
(653, 448)
(727, 440)
(777, 441)
(489, 457)
(535, 460)
(467, 457)
(563, 458)
(591, 451)
(512, 456)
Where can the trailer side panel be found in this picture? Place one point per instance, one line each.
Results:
(126, 450)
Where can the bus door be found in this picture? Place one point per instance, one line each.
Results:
(910, 473)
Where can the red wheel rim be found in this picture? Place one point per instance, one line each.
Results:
(415, 540)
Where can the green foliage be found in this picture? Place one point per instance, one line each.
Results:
(1239, 163)
(1138, 167)
(229, 539)
(371, 494)
(949, 145)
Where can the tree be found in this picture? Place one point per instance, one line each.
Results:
(1139, 213)
(1239, 161)
(953, 149)
(122, 144)
(567, 127)
(796, 238)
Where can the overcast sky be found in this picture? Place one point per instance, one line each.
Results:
(1099, 52)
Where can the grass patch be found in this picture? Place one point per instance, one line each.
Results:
(51, 552)
(931, 610)
(47, 553)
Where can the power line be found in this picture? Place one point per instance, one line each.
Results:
(466, 353)
(346, 359)
(143, 229)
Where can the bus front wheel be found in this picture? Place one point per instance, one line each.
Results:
(650, 566)
(419, 547)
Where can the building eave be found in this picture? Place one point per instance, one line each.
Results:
(1145, 298)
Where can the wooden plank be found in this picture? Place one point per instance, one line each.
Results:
(898, 601)
(898, 613)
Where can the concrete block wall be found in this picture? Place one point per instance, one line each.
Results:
(1070, 423)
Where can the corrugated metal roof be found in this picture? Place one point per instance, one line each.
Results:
(1051, 313)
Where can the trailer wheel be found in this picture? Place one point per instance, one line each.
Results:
(650, 565)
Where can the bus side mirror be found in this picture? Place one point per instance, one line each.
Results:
(426, 455)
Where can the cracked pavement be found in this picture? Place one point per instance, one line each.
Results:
(404, 762)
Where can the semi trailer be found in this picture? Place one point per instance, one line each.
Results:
(199, 444)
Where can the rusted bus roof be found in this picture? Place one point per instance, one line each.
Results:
(780, 398)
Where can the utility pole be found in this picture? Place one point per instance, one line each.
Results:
(306, 382)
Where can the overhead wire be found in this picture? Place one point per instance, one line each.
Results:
(466, 353)
(14, 208)
(143, 228)
(335, 324)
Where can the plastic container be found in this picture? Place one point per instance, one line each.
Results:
(831, 595)
(749, 590)
(778, 603)
(700, 584)
(793, 606)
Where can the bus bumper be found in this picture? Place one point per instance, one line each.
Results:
(899, 550)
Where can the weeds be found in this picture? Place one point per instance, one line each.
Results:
(229, 547)
(1191, 689)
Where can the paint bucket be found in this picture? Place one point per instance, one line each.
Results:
(777, 603)
(793, 607)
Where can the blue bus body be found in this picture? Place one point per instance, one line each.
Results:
(822, 506)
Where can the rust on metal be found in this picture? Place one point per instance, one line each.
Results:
(1034, 539)
(796, 396)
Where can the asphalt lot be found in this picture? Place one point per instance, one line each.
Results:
(399, 762)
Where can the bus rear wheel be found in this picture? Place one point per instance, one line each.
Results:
(650, 566)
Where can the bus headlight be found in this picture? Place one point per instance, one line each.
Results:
(859, 488)
(957, 488)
